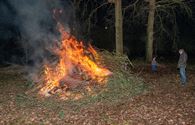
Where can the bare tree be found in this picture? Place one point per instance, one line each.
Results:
(158, 12)
(118, 26)
(150, 30)
(87, 17)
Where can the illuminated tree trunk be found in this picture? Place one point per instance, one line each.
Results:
(118, 27)
(150, 31)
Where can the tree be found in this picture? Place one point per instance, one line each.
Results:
(85, 16)
(150, 30)
(118, 27)
(85, 13)
(118, 21)
(159, 14)
(166, 11)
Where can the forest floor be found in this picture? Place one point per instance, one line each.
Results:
(165, 102)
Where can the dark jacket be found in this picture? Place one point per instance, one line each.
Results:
(183, 60)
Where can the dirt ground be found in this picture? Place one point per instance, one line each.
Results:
(165, 102)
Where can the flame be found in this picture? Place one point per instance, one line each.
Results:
(73, 54)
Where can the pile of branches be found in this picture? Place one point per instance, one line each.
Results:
(80, 82)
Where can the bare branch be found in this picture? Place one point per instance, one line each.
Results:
(92, 12)
(131, 5)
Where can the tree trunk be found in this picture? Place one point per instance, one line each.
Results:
(150, 31)
(118, 27)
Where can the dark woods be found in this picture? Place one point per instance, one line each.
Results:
(27, 27)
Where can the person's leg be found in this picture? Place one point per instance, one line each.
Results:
(183, 75)
(154, 68)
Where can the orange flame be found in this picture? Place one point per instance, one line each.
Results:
(72, 54)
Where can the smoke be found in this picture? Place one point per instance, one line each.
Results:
(38, 27)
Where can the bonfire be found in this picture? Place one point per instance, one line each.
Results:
(77, 66)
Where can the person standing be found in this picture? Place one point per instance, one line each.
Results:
(154, 65)
(182, 66)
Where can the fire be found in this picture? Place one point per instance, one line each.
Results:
(76, 63)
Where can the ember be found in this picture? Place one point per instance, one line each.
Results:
(77, 66)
